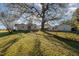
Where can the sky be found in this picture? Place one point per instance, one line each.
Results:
(71, 8)
(3, 7)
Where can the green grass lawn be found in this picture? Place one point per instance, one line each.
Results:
(39, 44)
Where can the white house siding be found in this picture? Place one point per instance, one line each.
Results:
(21, 27)
(25, 27)
(64, 27)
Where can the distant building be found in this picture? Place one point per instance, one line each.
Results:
(61, 27)
(64, 27)
(20, 27)
(26, 27)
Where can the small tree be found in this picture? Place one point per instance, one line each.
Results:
(4, 21)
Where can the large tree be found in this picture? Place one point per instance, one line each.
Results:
(52, 12)
(45, 11)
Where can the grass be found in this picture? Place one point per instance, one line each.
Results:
(39, 44)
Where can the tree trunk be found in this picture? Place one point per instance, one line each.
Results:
(42, 25)
(43, 17)
(9, 30)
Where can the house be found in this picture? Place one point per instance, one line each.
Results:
(64, 27)
(20, 27)
(26, 27)
(61, 27)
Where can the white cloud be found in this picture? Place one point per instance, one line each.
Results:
(70, 12)
(38, 6)
(72, 8)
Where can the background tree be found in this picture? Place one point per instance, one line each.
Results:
(75, 19)
(4, 21)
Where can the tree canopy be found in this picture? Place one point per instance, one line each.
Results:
(42, 12)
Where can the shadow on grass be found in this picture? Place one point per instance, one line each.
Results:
(74, 32)
(6, 46)
(74, 45)
(36, 50)
(2, 34)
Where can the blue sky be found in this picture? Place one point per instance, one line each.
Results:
(71, 8)
(2, 26)
(3, 7)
